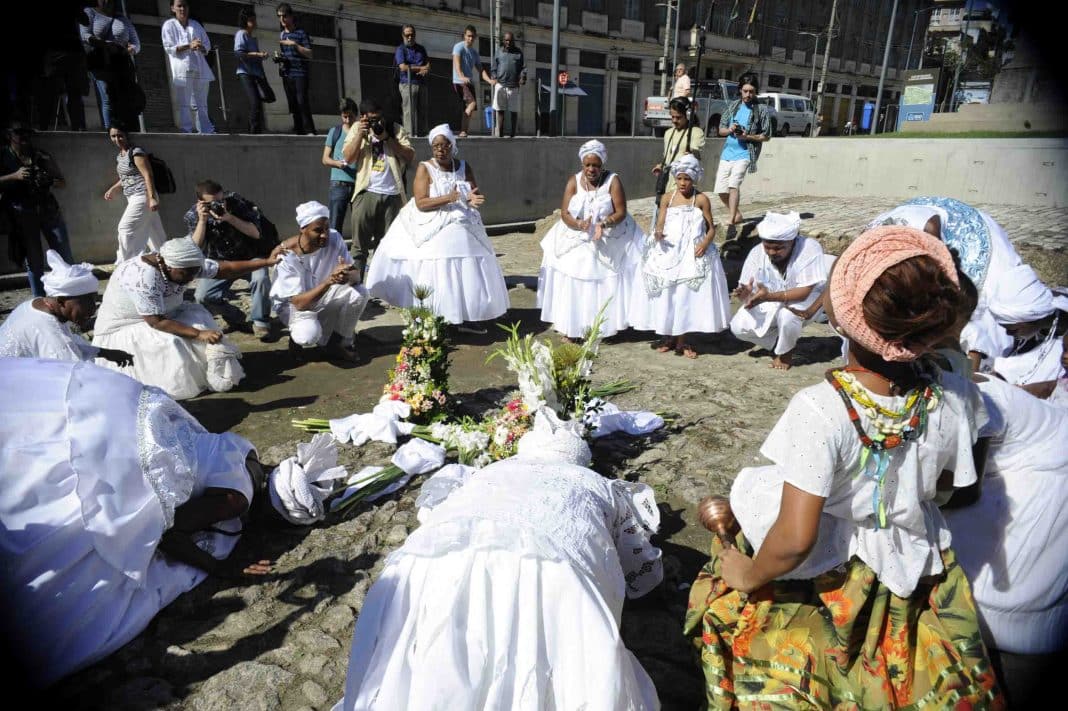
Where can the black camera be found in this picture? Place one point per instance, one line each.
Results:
(219, 207)
(40, 179)
(377, 126)
(738, 130)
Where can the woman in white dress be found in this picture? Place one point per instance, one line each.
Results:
(40, 327)
(140, 226)
(175, 344)
(438, 240)
(685, 289)
(98, 475)
(1036, 320)
(509, 595)
(591, 255)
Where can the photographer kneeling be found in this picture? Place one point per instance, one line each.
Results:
(381, 151)
(227, 227)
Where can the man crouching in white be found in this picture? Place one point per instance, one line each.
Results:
(313, 290)
(778, 284)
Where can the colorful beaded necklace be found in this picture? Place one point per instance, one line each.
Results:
(894, 428)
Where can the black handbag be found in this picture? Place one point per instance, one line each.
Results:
(263, 88)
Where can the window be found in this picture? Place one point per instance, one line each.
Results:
(795, 83)
(847, 89)
(594, 5)
(776, 80)
(543, 53)
(828, 88)
(594, 60)
(632, 9)
(631, 65)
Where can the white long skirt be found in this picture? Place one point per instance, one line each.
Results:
(575, 285)
(461, 269)
(489, 629)
(181, 367)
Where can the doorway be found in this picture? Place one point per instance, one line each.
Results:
(626, 107)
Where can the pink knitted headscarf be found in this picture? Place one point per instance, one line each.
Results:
(864, 261)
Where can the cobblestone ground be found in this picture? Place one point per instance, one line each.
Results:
(283, 644)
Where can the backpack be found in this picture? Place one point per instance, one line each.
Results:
(161, 173)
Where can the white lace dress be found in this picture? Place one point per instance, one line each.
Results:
(681, 293)
(509, 597)
(181, 367)
(446, 249)
(32, 333)
(580, 275)
(92, 466)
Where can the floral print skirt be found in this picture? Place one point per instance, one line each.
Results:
(841, 640)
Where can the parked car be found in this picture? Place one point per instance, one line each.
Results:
(790, 113)
(712, 100)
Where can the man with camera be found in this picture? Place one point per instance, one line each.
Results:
(294, 63)
(746, 125)
(27, 176)
(226, 227)
(381, 152)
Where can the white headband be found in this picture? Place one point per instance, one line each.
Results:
(1019, 296)
(688, 165)
(596, 148)
(68, 279)
(308, 212)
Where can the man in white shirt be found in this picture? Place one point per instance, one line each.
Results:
(682, 82)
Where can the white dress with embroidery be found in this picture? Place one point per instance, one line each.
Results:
(579, 274)
(447, 249)
(92, 467)
(181, 367)
(509, 597)
(679, 292)
(32, 333)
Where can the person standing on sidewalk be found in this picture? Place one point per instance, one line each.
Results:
(140, 228)
(413, 68)
(250, 69)
(746, 125)
(342, 175)
(466, 69)
(187, 43)
(510, 71)
(295, 63)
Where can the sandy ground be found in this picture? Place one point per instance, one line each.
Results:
(283, 644)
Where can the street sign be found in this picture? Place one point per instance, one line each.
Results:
(562, 78)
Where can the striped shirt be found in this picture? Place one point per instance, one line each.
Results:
(298, 65)
(118, 29)
(133, 183)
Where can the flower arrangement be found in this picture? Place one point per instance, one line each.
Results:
(421, 374)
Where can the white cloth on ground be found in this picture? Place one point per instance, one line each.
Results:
(682, 292)
(446, 249)
(610, 419)
(1013, 543)
(299, 485)
(815, 448)
(384, 423)
(509, 596)
(417, 456)
(93, 466)
(338, 309)
(770, 324)
(64, 279)
(579, 275)
(180, 366)
(31, 333)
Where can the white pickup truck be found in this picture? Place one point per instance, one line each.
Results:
(712, 100)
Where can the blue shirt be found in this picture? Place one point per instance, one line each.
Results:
(415, 56)
(298, 65)
(244, 42)
(734, 149)
(468, 61)
(347, 174)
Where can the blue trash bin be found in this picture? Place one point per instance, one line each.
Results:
(868, 116)
(487, 116)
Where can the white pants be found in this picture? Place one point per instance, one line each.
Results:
(139, 227)
(730, 174)
(191, 97)
(781, 335)
(338, 311)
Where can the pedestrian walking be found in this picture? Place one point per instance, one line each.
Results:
(140, 228)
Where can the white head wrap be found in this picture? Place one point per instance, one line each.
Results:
(442, 129)
(910, 216)
(300, 484)
(308, 212)
(68, 279)
(553, 440)
(779, 227)
(181, 252)
(1019, 296)
(688, 165)
(596, 148)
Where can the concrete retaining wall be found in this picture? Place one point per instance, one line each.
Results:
(523, 178)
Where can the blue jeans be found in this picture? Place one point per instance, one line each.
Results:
(105, 102)
(217, 290)
(29, 227)
(340, 195)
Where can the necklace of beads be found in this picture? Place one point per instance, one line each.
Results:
(1043, 349)
(893, 428)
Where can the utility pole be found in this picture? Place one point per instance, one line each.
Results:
(555, 71)
(815, 51)
(826, 59)
(882, 72)
(667, 38)
(675, 45)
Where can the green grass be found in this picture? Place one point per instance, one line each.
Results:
(963, 134)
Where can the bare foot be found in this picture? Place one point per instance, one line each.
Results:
(263, 567)
(687, 350)
(664, 346)
(783, 362)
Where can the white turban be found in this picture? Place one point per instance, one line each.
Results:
(554, 440)
(1019, 296)
(779, 227)
(910, 216)
(181, 252)
(300, 484)
(308, 212)
(688, 165)
(442, 129)
(68, 279)
(596, 148)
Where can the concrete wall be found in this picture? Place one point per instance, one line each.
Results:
(523, 178)
(1030, 116)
